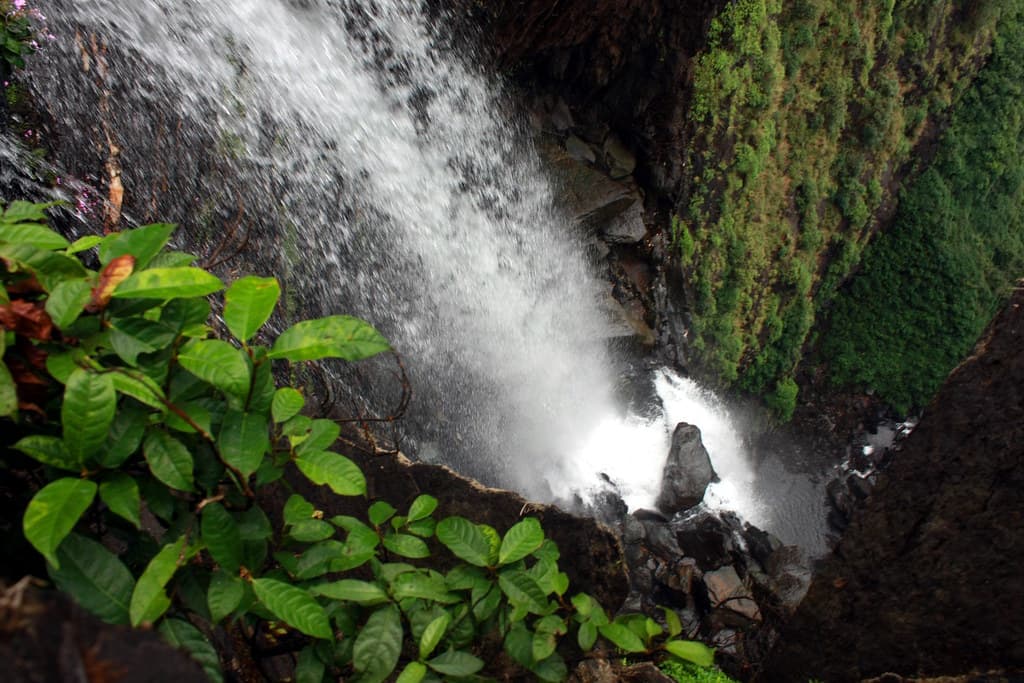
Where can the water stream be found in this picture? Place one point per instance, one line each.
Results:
(380, 175)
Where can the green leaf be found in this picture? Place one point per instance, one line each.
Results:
(90, 403)
(380, 512)
(456, 663)
(336, 471)
(169, 460)
(32, 233)
(464, 539)
(338, 336)
(519, 645)
(622, 637)
(53, 512)
(321, 436)
(67, 300)
(433, 634)
(294, 606)
(406, 546)
(224, 595)
(94, 577)
(143, 243)
(378, 644)
(187, 637)
(286, 404)
(419, 585)
(297, 509)
(493, 543)
(19, 210)
(521, 589)
(124, 437)
(545, 637)
(48, 450)
(8, 391)
(311, 530)
(587, 635)
(244, 440)
(309, 668)
(50, 268)
(414, 672)
(691, 651)
(168, 283)
(521, 540)
(218, 363)
(133, 336)
(149, 601)
(121, 494)
(421, 508)
(248, 304)
(551, 670)
(253, 525)
(352, 590)
(139, 386)
(424, 528)
(220, 534)
(675, 626)
(83, 243)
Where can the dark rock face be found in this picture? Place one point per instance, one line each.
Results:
(927, 579)
(687, 471)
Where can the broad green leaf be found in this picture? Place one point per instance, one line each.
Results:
(143, 243)
(464, 539)
(545, 637)
(32, 233)
(50, 268)
(168, 283)
(456, 663)
(48, 450)
(124, 437)
(318, 559)
(83, 243)
(336, 471)
(224, 595)
(485, 601)
(321, 436)
(378, 644)
(169, 460)
(380, 512)
(311, 530)
(133, 336)
(67, 300)
(244, 440)
(519, 645)
(551, 670)
(406, 546)
(90, 403)
(520, 589)
(622, 637)
(286, 404)
(352, 590)
(218, 363)
(248, 304)
(294, 606)
(675, 626)
(53, 512)
(419, 585)
(587, 635)
(424, 528)
(61, 365)
(309, 668)
(433, 634)
(421, 508)
(338, 336)
(414, 672)
(493, 543)
(94, 577)
(182, 313)
(172, 259)
(187, 637)
(121, 494)
(297, 510)
(253, 525)
(220, 534)
(521, 540)
(691, 651)
(19, 211)
(149, 601)
(8, 391)
(139, 386)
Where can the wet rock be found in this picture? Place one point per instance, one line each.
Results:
(594, 671)
(643, 673)
(620, 160)
(627, 227)
(687, 471)
(580, 150)
(661, 539)
(760, 544)
(706, 538)
(726, 589)
(789, 577)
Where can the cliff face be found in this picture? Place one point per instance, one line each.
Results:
(928, 579)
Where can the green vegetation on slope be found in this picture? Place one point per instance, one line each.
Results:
(802, 112)
(931, 283)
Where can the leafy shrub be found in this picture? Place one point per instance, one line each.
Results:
(143, 428)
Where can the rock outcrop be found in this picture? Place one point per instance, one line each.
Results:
(927, 579)
(687, 471)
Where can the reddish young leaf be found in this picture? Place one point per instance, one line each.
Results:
(27, 318)
(111, 276)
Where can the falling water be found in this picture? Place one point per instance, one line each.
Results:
(379, 175)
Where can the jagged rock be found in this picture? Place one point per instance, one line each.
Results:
(706, 538)
(580, 150)
(627, 227)
(726, 589)
(594, 671)
(687, 471)
(760, 544)
(620, 160)
(789, 577)
(661, 540)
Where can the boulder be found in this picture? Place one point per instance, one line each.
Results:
(687, 471)
(620, 160)
(726, 589)
(580, 150)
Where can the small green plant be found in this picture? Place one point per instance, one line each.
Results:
(144, 428)
(16, 35)
(685, 672)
